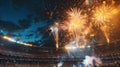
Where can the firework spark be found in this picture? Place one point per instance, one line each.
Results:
(76, 19)
(54, 30)
(77, 26)
(102, 17)
(86, 2)
(104, 13)
(106, 34)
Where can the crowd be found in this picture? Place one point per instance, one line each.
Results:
(12, 53)
(110, 54)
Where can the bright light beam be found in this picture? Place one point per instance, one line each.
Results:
(13, 40)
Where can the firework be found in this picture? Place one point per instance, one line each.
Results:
(54, 30)
(77, 22)
(76, 19)
(77, 26)
(86, 2)
(106, 34)
(104, 14)
(102, 17)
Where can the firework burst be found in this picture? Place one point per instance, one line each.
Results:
(54, 30)
(77, 23)
(102, 17)
(104, 14)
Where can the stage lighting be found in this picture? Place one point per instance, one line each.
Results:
(8, 38)
(88, 46)
(70, 47)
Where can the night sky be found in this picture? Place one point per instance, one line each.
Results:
(29, 20)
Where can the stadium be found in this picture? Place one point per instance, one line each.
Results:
(59, 33)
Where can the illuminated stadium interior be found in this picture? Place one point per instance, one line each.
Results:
(59, 33)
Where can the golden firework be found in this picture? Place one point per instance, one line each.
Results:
(104, 13)
(77, 26)
(76, 19)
